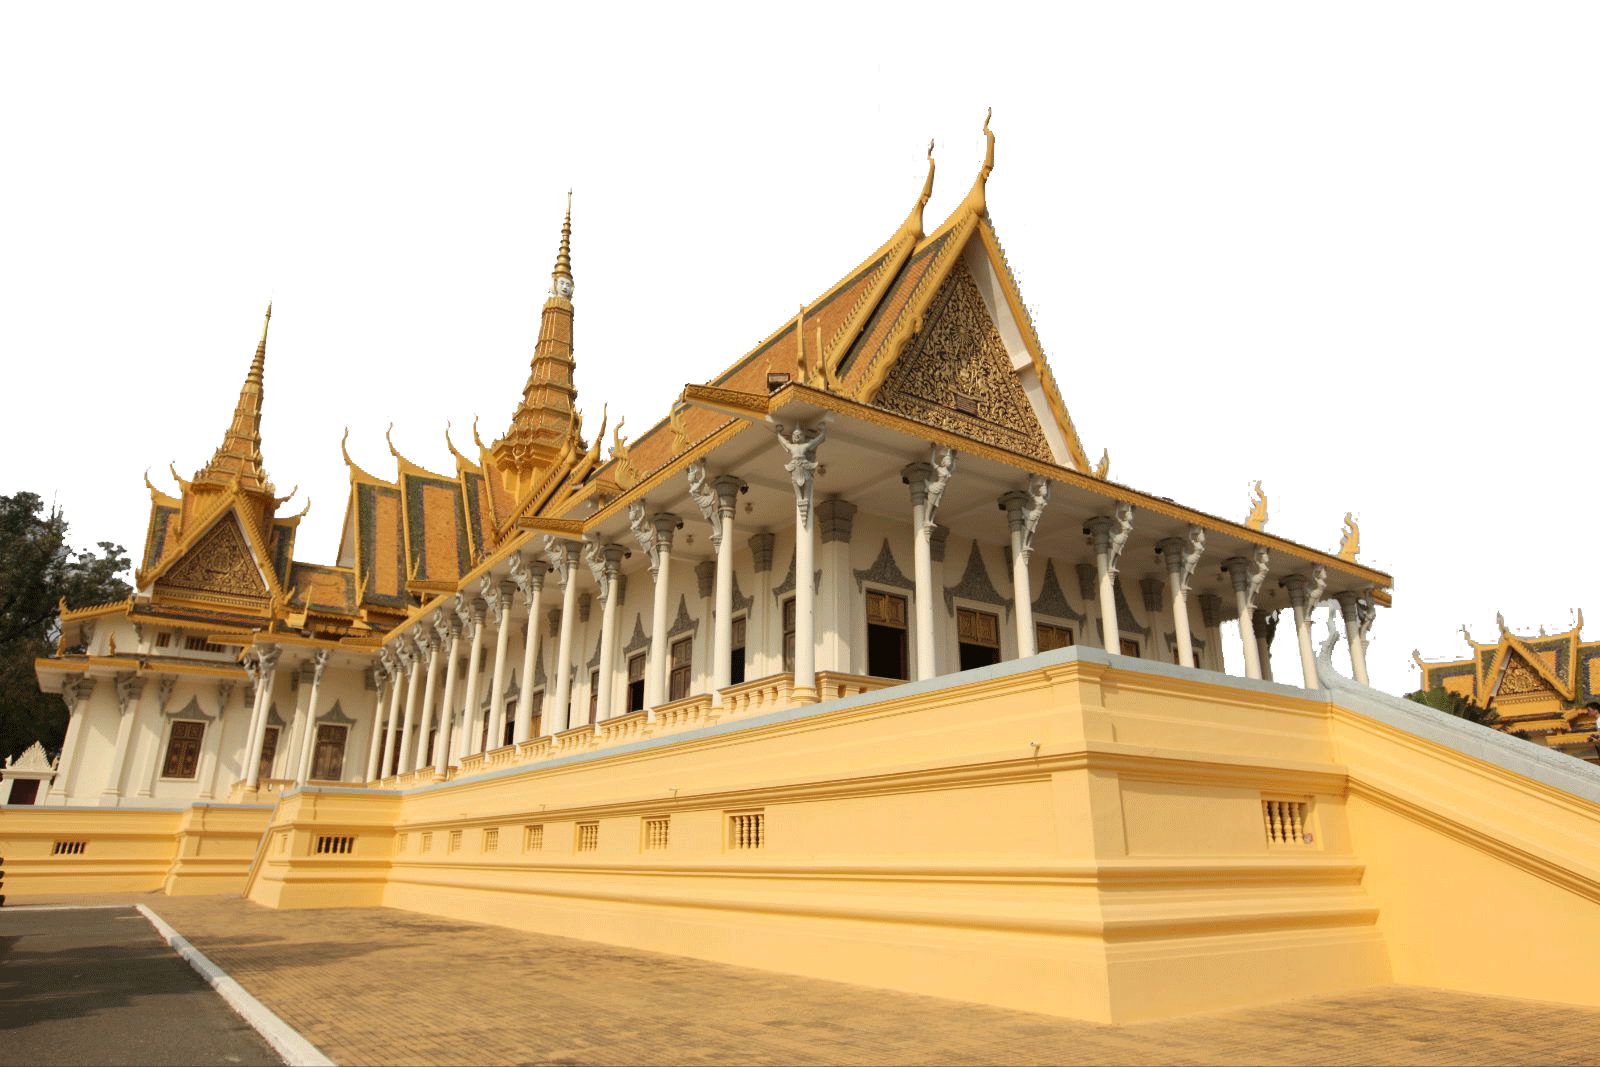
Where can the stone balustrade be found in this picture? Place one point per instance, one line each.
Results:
(772, 693)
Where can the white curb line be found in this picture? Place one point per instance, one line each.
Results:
(295, 1050)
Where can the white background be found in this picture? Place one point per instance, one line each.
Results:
(1351, 250)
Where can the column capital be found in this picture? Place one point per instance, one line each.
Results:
(836, 518)
(728, 488)
(1306, 591)
(1182, 554)
(528, 576)
(761, 546)
(1110, 533)
(447, 624)
(613, 555)
(425, 639)
(1248, 573)
(319, 664)
(1025, 508)
(801, 443)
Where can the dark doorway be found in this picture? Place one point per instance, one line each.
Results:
(886, 636)
(978, 634)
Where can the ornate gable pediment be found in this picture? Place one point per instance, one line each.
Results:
(955, 374)
(220, 564)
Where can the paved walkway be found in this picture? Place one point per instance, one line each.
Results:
(102, 987)
(377, 986)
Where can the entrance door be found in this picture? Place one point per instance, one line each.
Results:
(24, 791)
(978, 633)
(886, 635)
(327, 762)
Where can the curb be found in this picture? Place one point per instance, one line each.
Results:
(284, 1039)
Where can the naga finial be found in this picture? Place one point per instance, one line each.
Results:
(451, 445)
(1350, 540)
(1257, 519)
(476, 439)
(390, 440)
(1103, 468)
(342, 442)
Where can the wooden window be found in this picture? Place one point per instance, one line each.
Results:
(978, 638)
(536, 728)
(1049, 636)
(788, 635)
(682, 664)
(887, 647)
(327, 760)
(163, 639)
(200, 644)
(636, 682)
(736, 655)
(269, 750)
(183, 750)
(594, 694)
(1130, 647)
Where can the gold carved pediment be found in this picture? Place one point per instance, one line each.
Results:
(955, 374)
(1521, 680)
(220, 563)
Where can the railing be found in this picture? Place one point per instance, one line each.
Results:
(683, 714)
(831, 685)
(772, 693)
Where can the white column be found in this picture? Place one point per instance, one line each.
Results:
(760, 661)
(75, 693)
(801, 444)
(402, 674)
(1355, 628)
(835, 521)
(567, 566)
(654, 535)
(449, 630)
(1023, 512)
(308, 742)
(1304, 593)
(1265, 625)
(411, 656)
(130, 688)
(268, 659)
(927, 482)
(211, 753)
(1181, 555)
(153, 730)
(253, 667)
(530, 581)
(612, 561)
(427, 641)
(504, 594)
(1110, 535)
(1247, 575)
(728, 489)
(471, 729)
(388, 679)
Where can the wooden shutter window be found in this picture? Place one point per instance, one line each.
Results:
(183, 750)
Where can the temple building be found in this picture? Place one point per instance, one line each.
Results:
(1544, 687)
(905, 422)
(854, 665)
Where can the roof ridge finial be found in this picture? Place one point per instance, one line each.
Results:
(914, 220)
(563, 269)
(976, 196)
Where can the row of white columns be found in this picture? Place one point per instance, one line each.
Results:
(716, 497)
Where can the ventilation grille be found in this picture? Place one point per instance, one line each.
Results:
(427, 841)
(401, 845)
(69, 848)
(491, 840)
(747, 831)
(588, 836)
(335, 846)
(1285, 822)
(455, 840)
(655, 833)
(532, 838)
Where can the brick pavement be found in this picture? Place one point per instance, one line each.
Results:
(375, 986)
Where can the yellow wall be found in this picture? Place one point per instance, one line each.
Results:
(124, 849)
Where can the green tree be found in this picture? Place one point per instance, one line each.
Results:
(38, 570)
(1441, 699)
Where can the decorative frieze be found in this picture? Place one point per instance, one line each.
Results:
(1052, 601)
(883, 571)
(975, 585)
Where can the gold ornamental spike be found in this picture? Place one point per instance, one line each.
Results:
(913, 221)
(563, 268)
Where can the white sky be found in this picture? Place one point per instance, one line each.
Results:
(1351, 250)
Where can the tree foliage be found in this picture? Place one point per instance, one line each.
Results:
(1441, 699)
(38, 570)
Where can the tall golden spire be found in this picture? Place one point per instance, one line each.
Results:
(544, 425)
(238, 459)
(561, 277)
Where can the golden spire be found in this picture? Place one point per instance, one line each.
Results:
(564, 256)
(914, 220)
(238, 459)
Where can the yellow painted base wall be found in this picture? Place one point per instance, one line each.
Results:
(199, 850)
(1079, 840)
